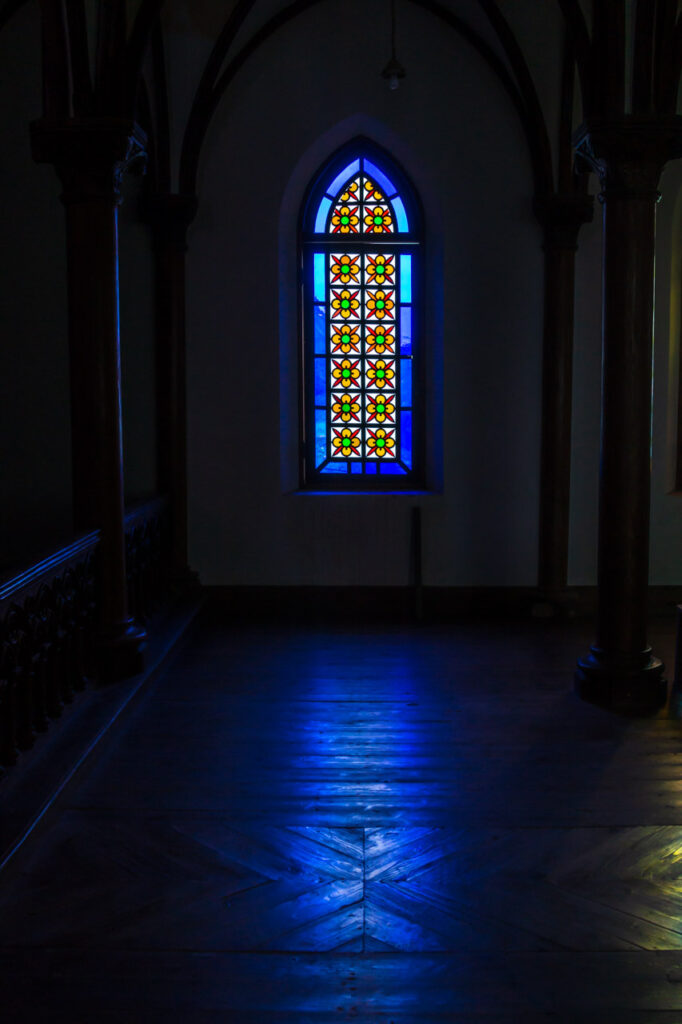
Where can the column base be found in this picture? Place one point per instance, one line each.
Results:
(119, 651)
(182, 579)
(629, 683)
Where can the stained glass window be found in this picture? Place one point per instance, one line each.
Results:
(362, 398)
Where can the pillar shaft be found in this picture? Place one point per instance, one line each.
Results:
(90, 157)
(620, 670)
(624, 483)
(562, 216)
(170, 215)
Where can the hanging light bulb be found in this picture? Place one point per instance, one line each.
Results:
(394, 70)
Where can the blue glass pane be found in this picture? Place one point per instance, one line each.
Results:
(322, 211)
(370, 467)
(336, 467)
(400, 214)
(384, 183)
(320, 436)
(342, 178)
(405, 382)
(318, 262)
(406, 330)
(405, 278)
(320, 380)
(356, 467)
(406, 438)
(393, 468)
(320, 321)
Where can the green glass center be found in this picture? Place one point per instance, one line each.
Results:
(345, 304)
(345, 219)
(346, 442)
(380, 408)
(346, 373)
(380, 442)
(380, 303)
(345, 407)
(380, 374)
(378, 219)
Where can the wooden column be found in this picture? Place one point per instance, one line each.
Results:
(562, 216)
(170, 216)
(621, 671)
(90, 156)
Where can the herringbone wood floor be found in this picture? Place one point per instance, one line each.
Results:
(399, 825)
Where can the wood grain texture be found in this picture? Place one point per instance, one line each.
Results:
(407, 825)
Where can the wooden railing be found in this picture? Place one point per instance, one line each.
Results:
(48, 615)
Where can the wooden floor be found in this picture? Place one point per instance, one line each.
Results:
(405, 825)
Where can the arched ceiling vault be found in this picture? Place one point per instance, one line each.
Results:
(518, 84)
(628, 59)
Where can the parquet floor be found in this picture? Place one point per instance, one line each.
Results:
(409, 825)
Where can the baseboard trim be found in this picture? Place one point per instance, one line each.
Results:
(432, 604)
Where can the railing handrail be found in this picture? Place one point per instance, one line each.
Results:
(17, 587)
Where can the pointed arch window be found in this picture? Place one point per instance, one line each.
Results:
(362, 393)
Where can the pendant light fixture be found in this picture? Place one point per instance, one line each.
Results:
(394, 70)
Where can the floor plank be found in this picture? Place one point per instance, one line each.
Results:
(416, 824)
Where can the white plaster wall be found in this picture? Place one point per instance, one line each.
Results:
(459, 138)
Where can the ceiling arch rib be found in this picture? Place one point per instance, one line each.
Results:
(8, 10)
(196, 122)
(582, 45)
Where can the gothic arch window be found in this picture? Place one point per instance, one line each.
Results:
(361, 248)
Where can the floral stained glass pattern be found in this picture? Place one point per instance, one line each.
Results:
(362, 305)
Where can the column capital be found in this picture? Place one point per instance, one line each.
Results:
(90, 154)
(169, 214)
(630, 153)
(562, 214)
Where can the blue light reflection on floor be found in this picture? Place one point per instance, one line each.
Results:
(364, 893)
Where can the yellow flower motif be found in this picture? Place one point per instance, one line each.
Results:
(345, 372)
(345, 220)
(380, 408)
(345, 268)
(380, 339)
(378, 220)
(380, 442)
(372, 193)
(346, 441)
(380, 304)
(380, 269)
(350, 195)
(345, 407)
(380, 373)
(345, 338)
(345, 303)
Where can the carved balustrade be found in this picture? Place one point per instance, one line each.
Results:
(48, 618)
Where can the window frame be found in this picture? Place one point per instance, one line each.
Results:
(310, 241)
